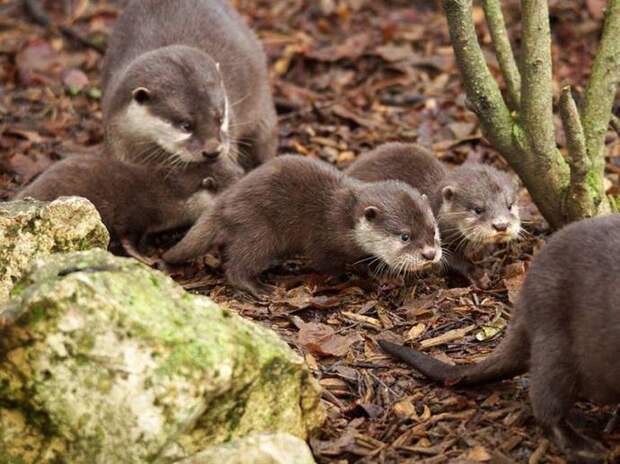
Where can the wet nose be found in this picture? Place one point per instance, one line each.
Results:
(500, 226)
(429, 253)
(211, 149)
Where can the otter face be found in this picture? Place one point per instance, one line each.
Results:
(481, 207)
(180, 113)
(397, 226)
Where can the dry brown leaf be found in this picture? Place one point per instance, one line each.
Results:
(321, 340)
(449, 336)
(478, 454)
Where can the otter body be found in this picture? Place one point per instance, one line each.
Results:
(294, 205)
(565, 330)
(184, 80)
(135, 200)
(474, 204)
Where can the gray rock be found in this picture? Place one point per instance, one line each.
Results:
(110, 361)
(33, 228)
(274, 448)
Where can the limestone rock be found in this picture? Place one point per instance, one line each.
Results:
(110, 361)
(275, 448)
(32, 228)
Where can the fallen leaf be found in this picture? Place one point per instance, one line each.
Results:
(513, 285)
(352, 48)
(478, 454)
(36, 62)
(415, 331)
(596, 8)
(447, 337)
(75, 81)
(321, 340)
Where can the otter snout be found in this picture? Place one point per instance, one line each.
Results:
(429, 253)
(211, 150)
(500, 226)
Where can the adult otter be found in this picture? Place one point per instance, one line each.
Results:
(185, 80)
(565, 332)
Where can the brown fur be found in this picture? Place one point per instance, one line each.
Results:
(565, 331)
(294, 205)
(454, 195)
(171, 48)
(134, 200)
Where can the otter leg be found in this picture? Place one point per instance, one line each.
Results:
(552, 394)
(130, 248)
(244, 263)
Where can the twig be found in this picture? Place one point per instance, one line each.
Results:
(503, 50)
(580, 202)
(601, 90)
(482, 91)
(39, 16)
(536, 88)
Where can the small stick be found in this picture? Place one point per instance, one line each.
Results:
(39, 16)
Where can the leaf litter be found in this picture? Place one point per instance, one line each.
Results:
(347, 75)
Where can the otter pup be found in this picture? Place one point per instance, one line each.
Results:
(474, 204)
(134, 200)
(295, 205)
(185, 80)
(565, 331)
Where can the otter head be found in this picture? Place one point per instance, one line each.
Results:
(478, 202)
(395, 223)
(172, 107)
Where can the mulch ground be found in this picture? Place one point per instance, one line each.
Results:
(347, 75)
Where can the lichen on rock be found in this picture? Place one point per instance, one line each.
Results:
(268, 448)
(111, 361)
(32, 228)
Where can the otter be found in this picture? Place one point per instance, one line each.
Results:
(565, 331)
(295, 205)
(135, 200)
(475, 204)
(184, 81)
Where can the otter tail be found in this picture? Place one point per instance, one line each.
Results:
(197, 242)
(509, 359)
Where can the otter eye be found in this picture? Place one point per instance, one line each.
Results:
(478, 210)
(404, 237)
(186, 126)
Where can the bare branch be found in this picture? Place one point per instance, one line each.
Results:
(482, 91)
(503, 50)
(536, 90)
(601, 90)
(579, 203)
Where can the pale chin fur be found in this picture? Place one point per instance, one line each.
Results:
(140, 124)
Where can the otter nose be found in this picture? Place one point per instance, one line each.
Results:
(429, 253)
(211, 149)
(500, 226)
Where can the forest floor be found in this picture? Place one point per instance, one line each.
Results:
(347, 75)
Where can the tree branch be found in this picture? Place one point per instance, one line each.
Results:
(482, 90)
(601, 90)
(536, 90)
(579, 203)
(615, 123)
(503, 50)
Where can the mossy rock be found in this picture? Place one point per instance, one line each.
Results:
(110, 361)
(32, 228)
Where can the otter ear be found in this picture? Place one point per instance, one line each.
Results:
(208, 183)
(141, 95)
(447, 193)
(371, 212)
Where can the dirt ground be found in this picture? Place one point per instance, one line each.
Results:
(347, 75)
